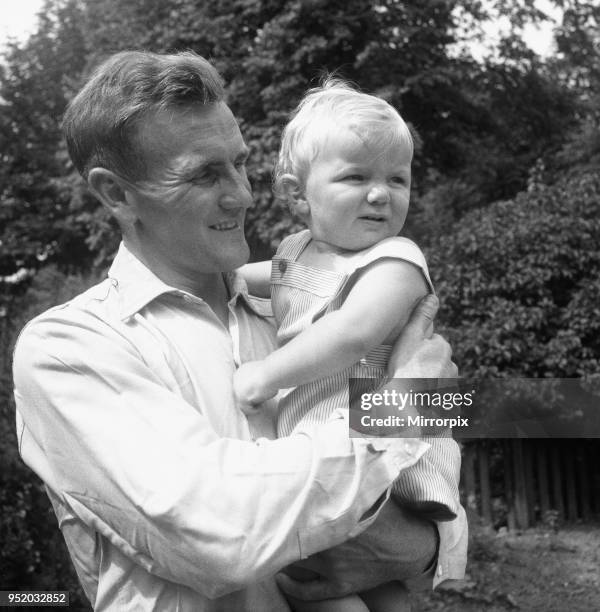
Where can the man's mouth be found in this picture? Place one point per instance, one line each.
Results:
(225, 226)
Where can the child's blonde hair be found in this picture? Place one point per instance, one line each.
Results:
(320, 114)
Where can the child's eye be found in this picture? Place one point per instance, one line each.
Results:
(398, 180)
(354, 177)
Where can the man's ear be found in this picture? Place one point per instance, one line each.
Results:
(112, 191)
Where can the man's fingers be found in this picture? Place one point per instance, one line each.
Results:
(429, 331)
(316, 564)
(440, 346)
(307, 591)
(423, 315)
(418, 328)
(452, 371)
(249, 409)
(437, 346)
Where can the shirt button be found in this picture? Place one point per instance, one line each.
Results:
(282, 267)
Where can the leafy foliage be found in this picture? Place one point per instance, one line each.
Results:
(34, 215)
(480, 126)
(33, 554)
(520, 282)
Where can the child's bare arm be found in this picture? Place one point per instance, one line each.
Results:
(257, 276)
(375, 310)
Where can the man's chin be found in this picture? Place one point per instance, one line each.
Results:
(238, 259)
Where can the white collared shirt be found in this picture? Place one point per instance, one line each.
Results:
(166, 497)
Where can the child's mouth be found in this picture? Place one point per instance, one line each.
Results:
(372, 218)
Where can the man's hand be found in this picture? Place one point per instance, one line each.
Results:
(418, 352)
(250, 387)
(397, 546)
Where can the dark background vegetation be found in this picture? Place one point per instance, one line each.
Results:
(506, 182)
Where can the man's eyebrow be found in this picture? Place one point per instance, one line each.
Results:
(199, 160)
(196, 164)
(189, 168)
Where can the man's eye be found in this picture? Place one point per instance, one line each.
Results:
(354, 177)
(398, 180)
(204, 178)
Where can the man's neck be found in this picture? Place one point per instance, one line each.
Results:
(209, 287)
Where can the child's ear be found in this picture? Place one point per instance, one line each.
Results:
(292, 187)
(300, 207)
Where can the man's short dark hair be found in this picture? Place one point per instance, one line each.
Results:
(100, 123)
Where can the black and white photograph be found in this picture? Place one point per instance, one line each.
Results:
(300, 305)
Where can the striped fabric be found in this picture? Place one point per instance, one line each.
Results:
(300, 295)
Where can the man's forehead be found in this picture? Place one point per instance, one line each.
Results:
(195, 129)
(202, 118)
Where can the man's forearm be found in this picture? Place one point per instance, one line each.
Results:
(397, 546)
(404, 543)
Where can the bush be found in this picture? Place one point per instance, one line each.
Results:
(519, 282)
(33, 554)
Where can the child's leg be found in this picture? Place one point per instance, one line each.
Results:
(351, 603)
(429, 488)
(388, 597)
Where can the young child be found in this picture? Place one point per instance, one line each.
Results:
(343, 289)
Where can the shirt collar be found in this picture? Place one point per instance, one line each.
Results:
(238, 289)
(137, 286)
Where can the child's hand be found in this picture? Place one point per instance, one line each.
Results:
(250, 387)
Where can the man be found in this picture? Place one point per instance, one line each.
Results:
(167, 497)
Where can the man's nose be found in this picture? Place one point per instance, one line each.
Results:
(238, 193)
(378, 194)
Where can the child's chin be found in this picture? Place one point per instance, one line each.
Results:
(366, 242)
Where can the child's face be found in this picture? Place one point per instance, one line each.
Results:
(357, 193)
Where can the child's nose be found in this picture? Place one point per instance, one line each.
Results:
(378, 195)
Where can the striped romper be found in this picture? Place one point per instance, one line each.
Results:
(300, 295)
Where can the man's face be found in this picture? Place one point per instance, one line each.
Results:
(190, 210)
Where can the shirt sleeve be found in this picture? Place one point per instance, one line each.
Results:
(140, 466)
